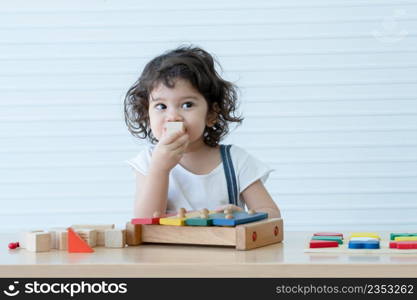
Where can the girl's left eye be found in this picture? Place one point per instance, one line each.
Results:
(187, 104)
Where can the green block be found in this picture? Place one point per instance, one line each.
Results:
(198, 222)
(337, 239)
(394, 235)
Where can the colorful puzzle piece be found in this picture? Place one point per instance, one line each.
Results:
(394, 235)
(363, 239)
(153, 220)
(197, 220)
(403, 245)
(405, 238)
(364, 244)
(76, 244)
(323, 244)
(144, 221)
(329, 234)
(238, 218)
(174, 220)
(365, 234)
(328, 238)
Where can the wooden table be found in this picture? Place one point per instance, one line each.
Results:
(286, 259)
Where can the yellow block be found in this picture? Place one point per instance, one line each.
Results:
(172, 221)
(405, 238)
(365, 234)
(175, 221)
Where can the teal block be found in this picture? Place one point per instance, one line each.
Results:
(394, 235)
(337, 239)
(199, 222)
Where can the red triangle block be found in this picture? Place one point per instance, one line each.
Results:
(76, 244)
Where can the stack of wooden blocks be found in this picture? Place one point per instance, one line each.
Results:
(86, 236)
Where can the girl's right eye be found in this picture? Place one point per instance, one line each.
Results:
(160, 106)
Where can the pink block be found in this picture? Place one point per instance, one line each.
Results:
(328, 234)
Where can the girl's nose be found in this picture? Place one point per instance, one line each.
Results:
(174, 116)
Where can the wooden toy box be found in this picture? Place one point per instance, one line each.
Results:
(242, 237)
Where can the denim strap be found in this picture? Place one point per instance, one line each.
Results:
(229, 172)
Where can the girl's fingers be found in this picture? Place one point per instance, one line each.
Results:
(179, 143)
(169, 139)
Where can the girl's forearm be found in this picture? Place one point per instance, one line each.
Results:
(153, 194)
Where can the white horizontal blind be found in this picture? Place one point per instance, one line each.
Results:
(328, 95)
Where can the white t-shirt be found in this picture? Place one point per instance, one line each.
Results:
(194, 192)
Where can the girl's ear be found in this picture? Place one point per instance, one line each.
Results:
(212, 115)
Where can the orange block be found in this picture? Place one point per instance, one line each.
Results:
(76, 244)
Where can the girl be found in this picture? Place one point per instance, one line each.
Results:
(189, 168)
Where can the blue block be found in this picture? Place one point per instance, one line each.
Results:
(363, 244)
(238, 218)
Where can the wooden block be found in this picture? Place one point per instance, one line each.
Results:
(337, 239)
(222, 236)
(76, 244)
(172, 127)
(98, 227)
(115, 238)
(63, 240)
(145, 221)
(201, 218)
(55, 232)
(38, 241)
(407, 245)
(364, 239)
(88, 235)
(133, 234)
(174, 221)
(329, 234)
(23, 237)
(365, 234)
(394, 235)
(403, 245)
(198, 221)
(405, 238)
(238, 218)
(323, 244)
(153, 220)
(364, 244)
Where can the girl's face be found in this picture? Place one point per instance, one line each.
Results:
(182, 103)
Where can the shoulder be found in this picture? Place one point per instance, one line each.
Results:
(248, 167)
(239, 154)
(141, 161)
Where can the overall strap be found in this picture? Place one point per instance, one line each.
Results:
(229, 171)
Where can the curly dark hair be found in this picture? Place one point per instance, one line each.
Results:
(195, 65)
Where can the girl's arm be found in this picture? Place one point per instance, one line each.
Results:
(257, 197)
(152, 189)
(151, 193)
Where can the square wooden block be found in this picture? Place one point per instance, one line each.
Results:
(23, 237)
(115, 238)
(38, 241)
(55, 235)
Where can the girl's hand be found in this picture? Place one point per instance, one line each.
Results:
(229, 207)
(168, 152)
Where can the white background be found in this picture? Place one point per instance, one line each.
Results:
(328, 92)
